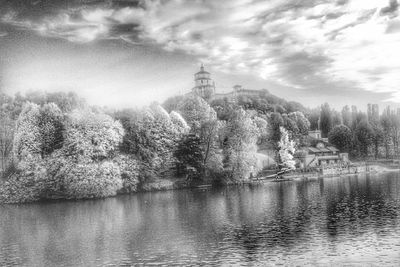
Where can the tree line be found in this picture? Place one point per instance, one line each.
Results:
(363, 137)
(56, 145)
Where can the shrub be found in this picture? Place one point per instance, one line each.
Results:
(24, 185)
(93, 180)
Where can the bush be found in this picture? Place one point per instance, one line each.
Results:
(93, 180)
(24, 185)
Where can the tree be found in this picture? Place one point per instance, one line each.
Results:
(378, 136)
(152, 135)
(313, 117)
(240, 145)
(51, 128)
(262, 126)
(275, 122)
(336, 118)
(195, 111)
(346, 116)
(386, 124)
(190, 155)
(27, 139)
(286, 150)
(84, 166)
(6, 131)
(172, 103)
(91, 136)
(302, 123)
(223, 108)
(326, 119)
(364, 137)
(341, 137)
(6, 139)
(67, 102)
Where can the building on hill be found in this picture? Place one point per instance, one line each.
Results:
(204, 85)
(205, 88)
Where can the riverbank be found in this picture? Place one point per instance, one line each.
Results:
(182, 183)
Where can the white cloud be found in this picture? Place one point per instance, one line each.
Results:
(349, 40)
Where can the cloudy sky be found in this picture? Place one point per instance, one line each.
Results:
(127, 53)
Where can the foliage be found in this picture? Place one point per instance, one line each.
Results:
(364, 136)
(190, 156)
(275, 123)
(130, 169)
(91, 180)
(51, 128)
(195, 111)
(90, 136)
(313, 117)
(286, 150)
(346, 116)
(27, 138)
(6, 136)
(223, 108)
(25, 185)
(326, 120)
(152, 135)
(240, 145)
(341, 137)
(172, 103)
(262, 127)
(66, 101)
(302, 123)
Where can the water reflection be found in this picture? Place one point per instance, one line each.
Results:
(348, 220)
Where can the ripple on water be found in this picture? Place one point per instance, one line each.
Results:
(337, 221)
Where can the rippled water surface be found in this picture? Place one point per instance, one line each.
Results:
(341, 221)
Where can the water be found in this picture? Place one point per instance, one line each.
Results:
(332, 221)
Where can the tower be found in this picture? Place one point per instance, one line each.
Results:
(204, 85)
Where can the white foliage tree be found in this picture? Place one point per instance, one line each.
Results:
(286, 150)
(92, 136)
(240, 150)
(27, 138)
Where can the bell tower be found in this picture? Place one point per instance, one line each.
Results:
(204, 85)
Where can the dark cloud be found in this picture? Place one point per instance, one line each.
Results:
(304, 68)
(393, 7)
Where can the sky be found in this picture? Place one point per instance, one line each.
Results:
(129, 53)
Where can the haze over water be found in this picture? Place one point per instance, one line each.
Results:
(343, 220)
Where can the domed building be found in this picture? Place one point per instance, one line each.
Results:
(204, 85)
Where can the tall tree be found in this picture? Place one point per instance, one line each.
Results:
(276, 121)
(346, 116)
(240, 145)
(286, 150)
(326, 119)
(27, 139)
(364, 136)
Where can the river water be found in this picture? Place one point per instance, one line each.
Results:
(342, 221)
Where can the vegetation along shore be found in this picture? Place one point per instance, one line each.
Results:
(56, 146)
